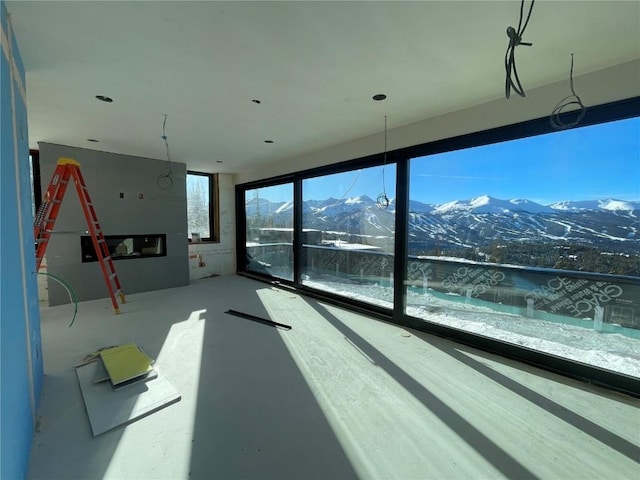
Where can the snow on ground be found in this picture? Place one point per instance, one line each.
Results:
(611, 351)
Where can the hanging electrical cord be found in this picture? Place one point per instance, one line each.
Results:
(351, 186)
(383, 201)
(515, 39)
(69, 289)
(165, 181)
(567, 101)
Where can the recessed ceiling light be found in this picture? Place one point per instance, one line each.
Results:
(379, 97)
(104, 98)
(92, 140)
(268, 141)
(256, 101)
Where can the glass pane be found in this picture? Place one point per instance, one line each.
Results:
(198, 196)
(534, 242)
(269, 213)
(349, 234)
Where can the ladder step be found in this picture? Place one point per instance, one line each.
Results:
(68, 172)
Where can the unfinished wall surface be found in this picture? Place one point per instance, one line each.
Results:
(20, 352)
(145, 208)
(217, 258)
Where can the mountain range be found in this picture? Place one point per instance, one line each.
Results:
(610, 224)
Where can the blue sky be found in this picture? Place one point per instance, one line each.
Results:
(589, 163)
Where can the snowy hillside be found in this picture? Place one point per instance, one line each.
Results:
(610, 224)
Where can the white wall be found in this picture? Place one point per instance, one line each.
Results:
(219, 258)
(615, 83)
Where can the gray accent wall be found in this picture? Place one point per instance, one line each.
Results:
(159, 211)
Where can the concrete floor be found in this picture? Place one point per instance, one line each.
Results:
(339, 396)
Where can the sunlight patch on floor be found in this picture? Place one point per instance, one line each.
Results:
(179, 357)
(379, 424)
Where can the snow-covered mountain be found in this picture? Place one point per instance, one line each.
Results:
(487, 204)
(609, 204)
(261, 207)
(473, 222)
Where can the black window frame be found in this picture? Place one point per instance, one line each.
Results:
(214, 218)
(609, 112)
(37, 181)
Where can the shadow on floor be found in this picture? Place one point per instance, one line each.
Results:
(256, 416)
(592, 429)
(488, 449)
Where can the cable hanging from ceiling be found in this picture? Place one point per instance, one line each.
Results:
(165, 181)
(383, 201)
(355, 179)
(569, 100)
(515, 39)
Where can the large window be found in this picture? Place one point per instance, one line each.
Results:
(269, 227)
(520, 240)
(202, 194)
(534, 242)
(348, 235)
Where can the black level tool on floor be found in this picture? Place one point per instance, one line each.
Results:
(248, 316)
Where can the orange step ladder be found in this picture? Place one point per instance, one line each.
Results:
(47, 214)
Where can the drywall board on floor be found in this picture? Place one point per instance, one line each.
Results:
(108, 408)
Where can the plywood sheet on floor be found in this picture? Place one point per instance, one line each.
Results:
(108, 408)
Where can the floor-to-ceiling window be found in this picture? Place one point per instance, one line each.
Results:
(269, 230)
(523, 240)
(348, 222)
(534, 241)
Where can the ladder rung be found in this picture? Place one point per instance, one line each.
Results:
(68, 172)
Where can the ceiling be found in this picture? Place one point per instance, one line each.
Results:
(314, 67)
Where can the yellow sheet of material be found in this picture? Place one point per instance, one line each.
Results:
(125, 362)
